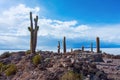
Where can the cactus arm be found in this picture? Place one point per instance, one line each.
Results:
(37, 28)
(36, 19)
(29, 28)
(31, 20)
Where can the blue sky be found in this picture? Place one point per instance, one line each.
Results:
(86, 11)
(81, 21)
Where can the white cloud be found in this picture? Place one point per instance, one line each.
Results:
(15, 20)
(13, 24)
(107, 33)
(58, 29)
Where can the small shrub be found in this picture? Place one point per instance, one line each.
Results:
(5, 55)
(12, 69)
(28, 52)
(3, 67)
(70, 75)
(1, 64)
(36, 59)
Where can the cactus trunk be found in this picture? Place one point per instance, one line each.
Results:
(91, 47)
(82, 48)
(98, 44)
(64, 45)
(33, 31)
(58, 46)
(71, 50)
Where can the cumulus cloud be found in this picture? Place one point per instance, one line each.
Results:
(107, 33)
(13, 24)
(58, 29)
(15, 20)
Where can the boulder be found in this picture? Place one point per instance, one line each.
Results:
(96, 58)
(100, 75)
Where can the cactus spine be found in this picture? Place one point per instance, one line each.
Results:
(64, 44)
(98, 44)
(91, 46)
(33, 33)
(58, 46)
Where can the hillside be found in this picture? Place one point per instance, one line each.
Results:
(77, 65)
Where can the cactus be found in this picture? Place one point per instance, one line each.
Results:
(91, 46)
(58, 46)
(71, 50)
(98, 45)
(82, 48)
(33, 33)
(64, 45)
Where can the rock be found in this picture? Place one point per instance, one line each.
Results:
(66, 64)
(47, 60)
(69, 56)
(96, 78)
(76, 68)
(17, 58)
(72, 60)
(29, 56)
(97, 58)
(65, 60)
(6, 61)
(41, 66)
(100, 75)
(53, 66)
(5, 55)
(63, 64)
(117, 67)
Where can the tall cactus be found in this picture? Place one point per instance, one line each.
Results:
(98, 45)
(91, 46)
(82, 48)
(64, 44)
(58, 46)
(71, 50)
(33, 33)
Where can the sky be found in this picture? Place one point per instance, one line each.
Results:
(81, 21)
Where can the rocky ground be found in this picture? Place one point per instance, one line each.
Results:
(111, 67)
(53, 66)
